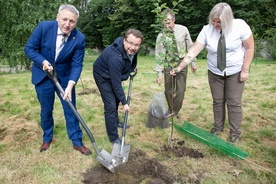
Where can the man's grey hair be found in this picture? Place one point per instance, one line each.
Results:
(170, 13)
(70, 8)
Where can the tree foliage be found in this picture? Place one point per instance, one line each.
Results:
(103, 20)
(95, 23)
(18, 19)
(108, 19)
(171, 56)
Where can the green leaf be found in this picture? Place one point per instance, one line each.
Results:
(174, 3)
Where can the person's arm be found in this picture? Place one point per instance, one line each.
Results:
(76, 66)
(189, 44)
(33, 45)
(188, 41)
(159, 49)
(248, 45)
(159, 69)
(189, 57)
(115, 67)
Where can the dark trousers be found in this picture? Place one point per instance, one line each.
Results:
(111, 103)
(45, 91)
(227, 90)
(175, 87)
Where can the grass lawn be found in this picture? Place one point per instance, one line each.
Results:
(21, 136)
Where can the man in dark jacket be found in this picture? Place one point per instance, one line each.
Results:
(113, 66)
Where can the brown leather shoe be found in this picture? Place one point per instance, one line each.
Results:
(84, 150)
(45, 146)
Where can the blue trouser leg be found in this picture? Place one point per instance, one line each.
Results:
(72, 124)
(111, 104)
(46, 96)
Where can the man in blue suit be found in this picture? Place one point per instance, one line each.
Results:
(58, 45)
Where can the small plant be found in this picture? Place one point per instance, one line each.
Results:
(171, 56)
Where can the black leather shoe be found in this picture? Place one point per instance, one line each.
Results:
(117, 141)
(168, 114)
(233, 138)
(45, 146)
(84, 150)
(121, 125)
(215, 131)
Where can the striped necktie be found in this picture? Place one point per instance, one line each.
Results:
(221, 53)
(63, 40)
(59, 48)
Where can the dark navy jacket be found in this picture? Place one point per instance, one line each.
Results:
(114, 65)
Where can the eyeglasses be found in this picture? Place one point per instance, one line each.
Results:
(132, 44)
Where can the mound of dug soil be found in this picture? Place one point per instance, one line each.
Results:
(140, 168)
(178, 149)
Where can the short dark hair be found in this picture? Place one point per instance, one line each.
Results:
(134, 32)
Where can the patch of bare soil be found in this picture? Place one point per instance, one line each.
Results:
(87, 91)
(141, 169)
(178, 149)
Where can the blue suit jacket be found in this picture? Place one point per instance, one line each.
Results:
(42, 45)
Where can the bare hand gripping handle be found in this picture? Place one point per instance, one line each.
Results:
(52, 75)
(103, 156)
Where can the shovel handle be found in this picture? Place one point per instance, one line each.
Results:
(53, 76)
(132, 74)
(128, 102)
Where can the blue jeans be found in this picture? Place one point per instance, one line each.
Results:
(111, 103)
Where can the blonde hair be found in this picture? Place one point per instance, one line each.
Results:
(224, 12)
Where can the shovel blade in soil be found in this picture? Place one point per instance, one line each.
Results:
(107, 160)
(121, 156)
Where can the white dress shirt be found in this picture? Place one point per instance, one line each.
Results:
(209, 36)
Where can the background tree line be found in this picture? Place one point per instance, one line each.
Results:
(103, 20)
